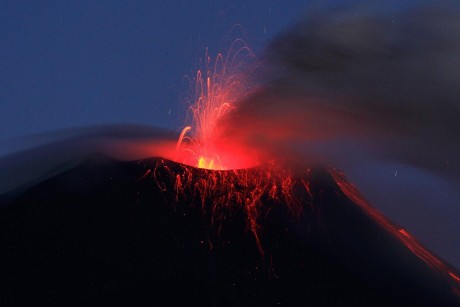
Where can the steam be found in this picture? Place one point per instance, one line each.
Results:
(30, 159)
(359, 79)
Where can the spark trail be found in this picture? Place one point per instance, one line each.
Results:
(218, 86)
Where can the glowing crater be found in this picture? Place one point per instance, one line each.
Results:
(218, 87)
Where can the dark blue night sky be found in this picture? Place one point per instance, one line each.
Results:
(75, 63)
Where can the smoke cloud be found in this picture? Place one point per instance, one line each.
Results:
(374, 91)
(384, 83)
(30, 159)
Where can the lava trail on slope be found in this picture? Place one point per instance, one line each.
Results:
(161, 233)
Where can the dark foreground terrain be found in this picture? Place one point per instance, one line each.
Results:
(106, 233)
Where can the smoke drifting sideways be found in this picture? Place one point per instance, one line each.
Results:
(30, 159)
(374, 91)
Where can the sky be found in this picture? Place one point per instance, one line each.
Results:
(79, 63)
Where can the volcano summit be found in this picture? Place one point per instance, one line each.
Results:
(161, 233)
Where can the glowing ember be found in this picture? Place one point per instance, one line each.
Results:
(207, 163)
(217, 88)
(221, 194)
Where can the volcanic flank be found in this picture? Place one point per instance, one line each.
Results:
(156, 232)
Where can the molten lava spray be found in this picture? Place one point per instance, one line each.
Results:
(218, 86)
(226, 182)
(221, 194)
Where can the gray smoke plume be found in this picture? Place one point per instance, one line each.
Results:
(375, 91)
(388, 82)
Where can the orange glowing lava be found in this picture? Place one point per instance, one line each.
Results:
(403, 235)
(222, 193)
(218, 87)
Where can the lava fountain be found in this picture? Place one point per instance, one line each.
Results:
(228, 179)
(218, 86)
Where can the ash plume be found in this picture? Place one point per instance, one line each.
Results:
(373, 90)
(385, 82)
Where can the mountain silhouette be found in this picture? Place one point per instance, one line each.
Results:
(156, 232)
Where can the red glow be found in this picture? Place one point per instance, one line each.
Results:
(217, 88)
(216, 156)
(223, 192)
(405, 237)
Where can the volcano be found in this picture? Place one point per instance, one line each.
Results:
(156, 232)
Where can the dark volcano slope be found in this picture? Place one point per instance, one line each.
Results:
(102, 234)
